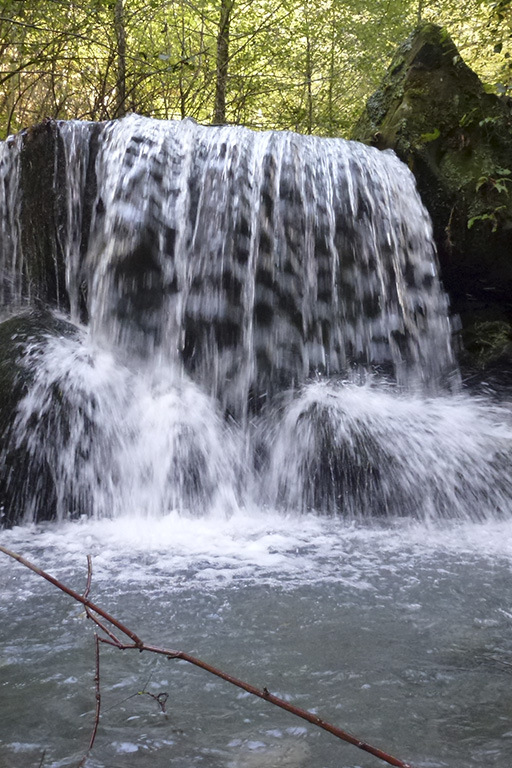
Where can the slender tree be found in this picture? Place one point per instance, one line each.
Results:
(221, 79)
(120, 32)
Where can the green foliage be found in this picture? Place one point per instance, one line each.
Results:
(491, 339)
(488, 121)
(498, 182)
(491, 216)
(432, 136)
(308, 65)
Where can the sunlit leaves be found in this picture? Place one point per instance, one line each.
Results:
(308, 65)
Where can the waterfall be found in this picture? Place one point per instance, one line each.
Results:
(10, 268)
(255, 259)
(226, 302)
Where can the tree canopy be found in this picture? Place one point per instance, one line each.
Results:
(306, 65)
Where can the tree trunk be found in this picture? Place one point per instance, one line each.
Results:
(120, 32)
(221, 80)
(309, 86)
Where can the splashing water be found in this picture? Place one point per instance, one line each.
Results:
(369, 450)
(218, 270)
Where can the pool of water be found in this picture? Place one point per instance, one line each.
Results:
(399, 633)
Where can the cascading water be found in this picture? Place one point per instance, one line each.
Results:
(219, 263)
(225, 362)
(257, 267)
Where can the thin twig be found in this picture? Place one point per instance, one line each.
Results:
(106, 630)
(75, 595)
(160, 698)
(90, 615)
(139, 645)
(97, 681)
(89, 577)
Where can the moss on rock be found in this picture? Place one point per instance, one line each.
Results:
(434, 112)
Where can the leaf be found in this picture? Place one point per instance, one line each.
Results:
(500, 185)
(491, 216)
(487, 121)
(483, 217)
(426, 137)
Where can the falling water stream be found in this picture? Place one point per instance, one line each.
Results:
(248, 412)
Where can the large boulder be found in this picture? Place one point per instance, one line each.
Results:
(435, 113)
(48, 217)
(27, 480)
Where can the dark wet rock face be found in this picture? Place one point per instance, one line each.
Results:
(26, 479)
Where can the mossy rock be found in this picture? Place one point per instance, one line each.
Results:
(489, 342)
(434, 112)
(486, 356)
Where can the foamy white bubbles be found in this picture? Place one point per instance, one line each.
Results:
(371, 450)
(119, 440)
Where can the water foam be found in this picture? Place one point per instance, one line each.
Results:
(119, 438)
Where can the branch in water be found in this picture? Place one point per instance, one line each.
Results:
(139, 645)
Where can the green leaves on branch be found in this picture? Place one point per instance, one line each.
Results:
(491, 216)
(307, 65)
(498, 182)
(432, 136)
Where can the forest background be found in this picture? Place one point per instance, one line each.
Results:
(304, 65)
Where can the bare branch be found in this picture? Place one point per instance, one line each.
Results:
(265, 694)
(89, 577)
(98, 691)
(79, 598)
(97, 681)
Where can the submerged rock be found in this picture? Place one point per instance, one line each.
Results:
(27, 486)
(353, 450)
(435, 113)
(83, 434)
